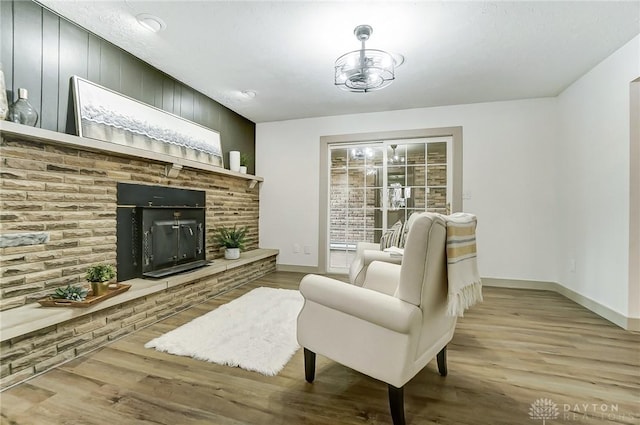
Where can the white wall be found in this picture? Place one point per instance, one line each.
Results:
(594, 182)
(508, 156)
(548, 178)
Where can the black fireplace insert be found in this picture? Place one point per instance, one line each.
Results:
(160, 230)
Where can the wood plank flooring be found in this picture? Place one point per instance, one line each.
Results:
(517, 347)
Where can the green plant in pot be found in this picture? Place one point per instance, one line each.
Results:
(244, 162)
(99, 277)
(232, 240)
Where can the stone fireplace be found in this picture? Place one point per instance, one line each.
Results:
(61, 207)
(63, 190)
(160, 230)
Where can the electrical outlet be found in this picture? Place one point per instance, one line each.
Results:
(296, 248)
(307, 250)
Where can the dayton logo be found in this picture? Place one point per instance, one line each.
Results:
(545, 409)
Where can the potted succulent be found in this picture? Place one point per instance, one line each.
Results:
(232, 240)
(72, 293)
(99, 277)
(244, 162)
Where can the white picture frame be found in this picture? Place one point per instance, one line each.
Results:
(107, 115)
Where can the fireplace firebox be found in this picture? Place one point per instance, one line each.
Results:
(160, 230)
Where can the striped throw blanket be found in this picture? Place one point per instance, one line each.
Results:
(465, 286)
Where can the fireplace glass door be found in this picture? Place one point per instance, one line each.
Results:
(171, 237)
(164, 242)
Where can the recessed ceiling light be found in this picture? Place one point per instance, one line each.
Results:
(151, 22)
(249, 94)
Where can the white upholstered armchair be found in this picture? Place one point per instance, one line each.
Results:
(390, 327)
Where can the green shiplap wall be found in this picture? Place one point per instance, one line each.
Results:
(40, 51)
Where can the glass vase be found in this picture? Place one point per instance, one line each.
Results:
(21, 110)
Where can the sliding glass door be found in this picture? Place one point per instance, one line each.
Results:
(375, 184)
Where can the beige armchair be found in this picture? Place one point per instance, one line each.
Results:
(391, 326)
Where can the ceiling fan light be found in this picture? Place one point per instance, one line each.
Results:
(386, 61)
(364, 70)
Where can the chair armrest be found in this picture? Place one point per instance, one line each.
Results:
(371, 306)
(364, 257)
(371, 256)
(361, 246)
(382, 276)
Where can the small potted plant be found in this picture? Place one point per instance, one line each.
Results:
(244, 162)
(232, 240)
(99, 277)
(72, 293)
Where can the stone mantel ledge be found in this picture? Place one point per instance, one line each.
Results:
(33, 317)
(23, 132)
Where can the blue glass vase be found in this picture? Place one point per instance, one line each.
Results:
(21, 110)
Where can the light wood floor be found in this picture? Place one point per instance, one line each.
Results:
(515, 348)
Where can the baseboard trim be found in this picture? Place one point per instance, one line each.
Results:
(519, 284)
(627, 323)
(297, 269)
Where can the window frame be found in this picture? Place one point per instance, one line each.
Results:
(455, 133)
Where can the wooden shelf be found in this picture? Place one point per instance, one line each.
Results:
(11, 130)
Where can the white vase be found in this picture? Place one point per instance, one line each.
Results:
(232, 253)
(4, 103)
(243, 169)
(234, 161)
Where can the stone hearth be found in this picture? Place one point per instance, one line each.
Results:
(34, 339)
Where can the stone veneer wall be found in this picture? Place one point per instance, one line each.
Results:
(24, 356)
(70, 195)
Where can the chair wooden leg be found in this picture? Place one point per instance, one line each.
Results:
(442, 361)
(309, 365)
(396, 403)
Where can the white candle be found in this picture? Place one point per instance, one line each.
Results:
(234, 160)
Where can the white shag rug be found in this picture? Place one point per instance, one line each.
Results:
(255, 332)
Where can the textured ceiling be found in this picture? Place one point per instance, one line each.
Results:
(456, 52)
